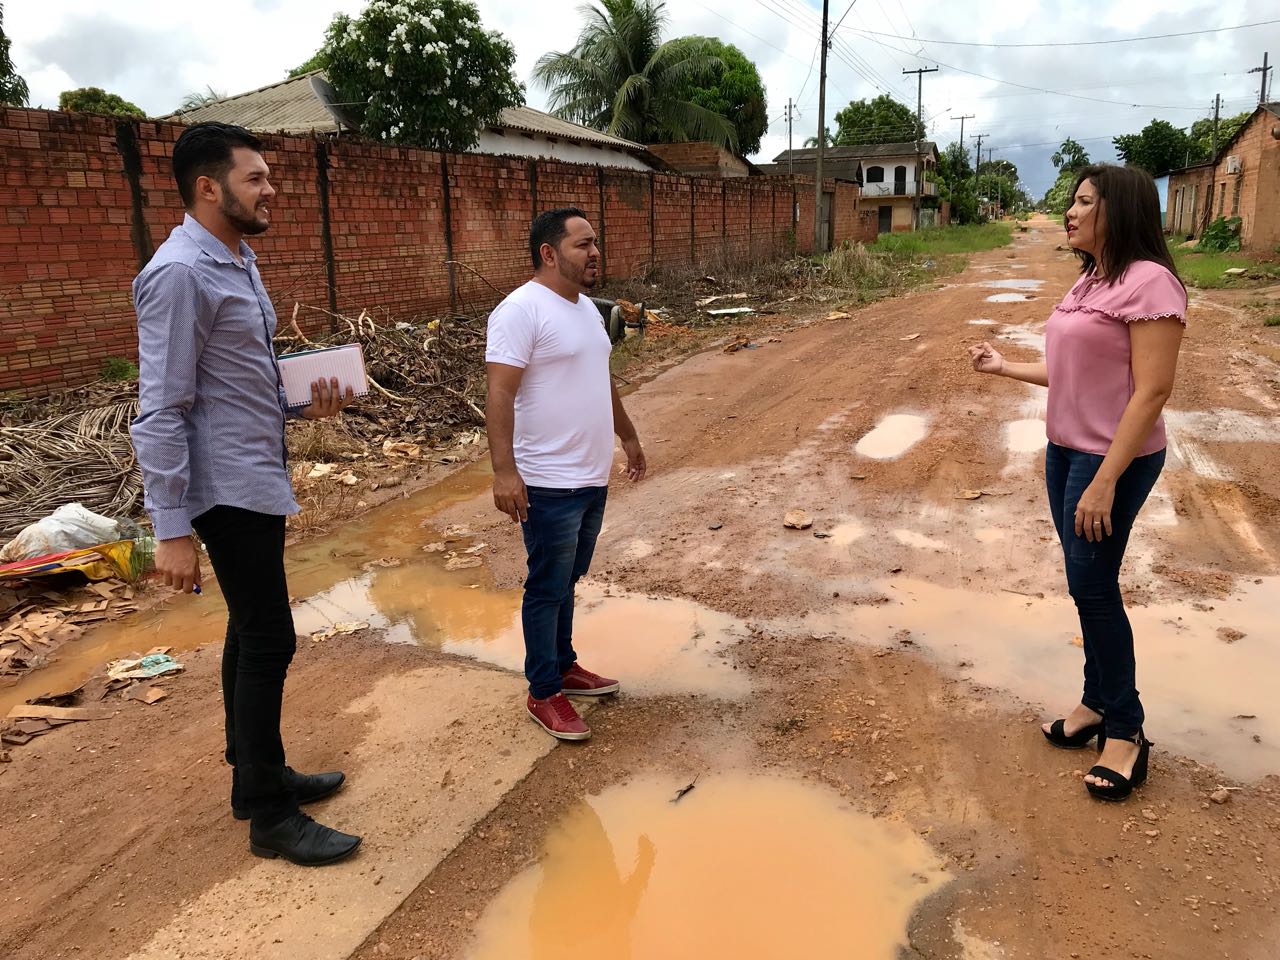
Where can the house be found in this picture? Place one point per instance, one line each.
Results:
(1243, 181)
(306, 104)
(700, 158)
(889, 174)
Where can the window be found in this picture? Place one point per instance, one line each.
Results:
(1235, 197)
(1222, 197)
(899, 174)
(875, 174)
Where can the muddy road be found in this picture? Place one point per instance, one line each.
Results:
(855, 704)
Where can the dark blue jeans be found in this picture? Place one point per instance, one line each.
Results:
(559, 537)
(1093, 577)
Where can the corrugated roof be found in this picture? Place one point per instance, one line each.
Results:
(291, 106)
(859, 151)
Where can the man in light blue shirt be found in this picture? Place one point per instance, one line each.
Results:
(210, 440)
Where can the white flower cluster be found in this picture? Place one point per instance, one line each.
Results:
(387, 69)
(395, 129)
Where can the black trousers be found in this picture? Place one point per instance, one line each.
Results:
(247, 553)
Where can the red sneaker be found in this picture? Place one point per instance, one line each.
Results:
(557, 716)
(583, 683)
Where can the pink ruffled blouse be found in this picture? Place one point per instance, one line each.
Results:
(1088, 354)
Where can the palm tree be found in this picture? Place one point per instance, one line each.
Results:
(197, 99)
(826, 134)
(620, 77)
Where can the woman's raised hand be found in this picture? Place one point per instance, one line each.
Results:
(986, 358)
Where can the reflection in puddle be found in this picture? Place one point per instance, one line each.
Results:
(1024, 337)
(1025, 436)
(729, 871)
(846, 533)
(910, 538)
(982, 322)
(1027, 284)
(1023, 644)
(1008, 298)
(893, 436)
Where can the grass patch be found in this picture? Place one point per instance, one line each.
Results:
(1208, 270)
(118, 369)
(1273, 321)
(946, 241)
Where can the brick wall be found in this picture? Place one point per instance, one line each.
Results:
(357, 226)
(1258, 207)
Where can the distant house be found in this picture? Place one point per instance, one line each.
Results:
(303, 104)
(699, 158)
(1243, 181)
(888, 173)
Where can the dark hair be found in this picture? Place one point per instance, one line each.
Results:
(204, 150)
(1133, 230)
(549, 227)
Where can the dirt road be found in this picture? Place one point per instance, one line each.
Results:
(855, 704)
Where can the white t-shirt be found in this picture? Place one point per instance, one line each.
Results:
(564, 407)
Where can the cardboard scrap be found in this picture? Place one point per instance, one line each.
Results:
(42, 712)
(146, 694)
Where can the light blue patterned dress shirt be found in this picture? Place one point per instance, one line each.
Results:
(210, 430)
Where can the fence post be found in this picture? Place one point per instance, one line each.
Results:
(448, 232)
(600, 231)
(127, 144)
(326, 230)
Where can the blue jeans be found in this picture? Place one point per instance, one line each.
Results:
(559, 537)
(1093, 577)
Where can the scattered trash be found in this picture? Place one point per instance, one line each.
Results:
(392, 448)
(1234, 272)
(742, 343)
(456, 531)
(685, 789)
(383, 562)
(154, 664)
(478, 548)
(320, 471)
(730, 311)
(43, 712)
(434, 548)
(70, 527)
(797, 520)
(914, 336)
(145, 694)
(838, 315)
(976, 494)
(707, 301)
(341, 627)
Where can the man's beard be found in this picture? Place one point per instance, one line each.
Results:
(579, 277)
(239, 216)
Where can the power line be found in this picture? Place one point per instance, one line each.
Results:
(1070, 43)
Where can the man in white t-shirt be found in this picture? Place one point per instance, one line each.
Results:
(552, 413)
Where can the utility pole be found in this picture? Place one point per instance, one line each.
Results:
(791, 161)
(980, 138)
(919, 120)
(1217, 109)
(822, 136)
(967, 116)
(1264, 70)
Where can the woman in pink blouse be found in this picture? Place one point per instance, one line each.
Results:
(1111, 352)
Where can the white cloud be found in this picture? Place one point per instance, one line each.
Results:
(153, 52)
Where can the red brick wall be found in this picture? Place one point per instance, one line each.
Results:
(71, 244)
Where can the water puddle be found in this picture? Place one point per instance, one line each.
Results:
(1025, 436)
(729, 871)
(1024, 337)
(893, 436)
(1020, 284)
(982, 322)
(1025, 645)
(1009, 298)
(910, 538)
(846, 534)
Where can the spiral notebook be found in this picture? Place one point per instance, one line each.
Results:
(298, 371)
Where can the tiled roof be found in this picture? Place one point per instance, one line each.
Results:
(861, 151)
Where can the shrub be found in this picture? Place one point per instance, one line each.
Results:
(116, 369)
(1221, 236)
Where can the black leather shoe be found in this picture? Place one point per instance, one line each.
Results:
(301, 840)
(306, 787)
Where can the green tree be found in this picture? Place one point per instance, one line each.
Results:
(1202, 134)
(733, 90)
(1058, 197)
(13, 89)
(1070, 156)
(316, 62)
(882, 120)
(196, 99)
(622, 78)
(97, 100)
(1159, 148)
(829, 137)
(955, 183)
(953, 164)
(424, 72)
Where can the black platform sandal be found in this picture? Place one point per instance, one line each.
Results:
(1122, 786)
(1057, 735)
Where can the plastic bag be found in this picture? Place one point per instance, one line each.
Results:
(72, 527)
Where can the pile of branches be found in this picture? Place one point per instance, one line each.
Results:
(433, 373)
(83, 457)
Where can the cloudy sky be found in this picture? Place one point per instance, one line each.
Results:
(1026, 98)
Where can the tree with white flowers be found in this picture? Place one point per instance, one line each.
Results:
(421, 72)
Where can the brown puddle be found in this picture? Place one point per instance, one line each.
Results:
(1207, 692)
(654, 645)
(187, 622)
(744, 867)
